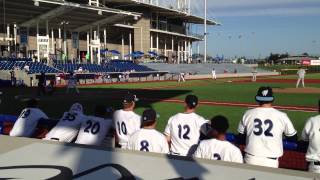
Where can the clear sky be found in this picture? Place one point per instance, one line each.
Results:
(256, 28)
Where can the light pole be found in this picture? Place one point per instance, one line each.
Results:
(205, 31)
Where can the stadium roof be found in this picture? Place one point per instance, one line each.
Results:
(168, 12)
(79, 17)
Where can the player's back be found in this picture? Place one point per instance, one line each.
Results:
(149, 140)
(67, 128)
(93, 130)
(264, 128)
(311, 133)
(126, 123)
(27, 122)
(219, 150)
(184, 129)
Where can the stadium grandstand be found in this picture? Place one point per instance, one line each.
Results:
(54, 36)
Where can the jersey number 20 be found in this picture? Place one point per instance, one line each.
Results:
(92, 127)
(259, 130)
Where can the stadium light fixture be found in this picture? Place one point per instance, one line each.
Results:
(36, 3)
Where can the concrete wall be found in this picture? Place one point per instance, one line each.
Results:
(144, 24)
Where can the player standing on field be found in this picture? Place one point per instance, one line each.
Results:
(72, 83)
(311, 134)
(147, 138)
(214, 75)
(183, 129)
(68, 126)
(301, 74)
(254, 75)
(218, 148)
(126, 121)
(263, 127)
(95, 128)
(28, 120)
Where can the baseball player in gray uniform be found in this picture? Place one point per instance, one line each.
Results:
(218, 148)
(147, 138)
(263, 128)
(301, 74)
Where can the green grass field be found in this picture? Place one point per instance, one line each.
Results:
(206, 90)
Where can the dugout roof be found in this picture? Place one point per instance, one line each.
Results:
(78, 17)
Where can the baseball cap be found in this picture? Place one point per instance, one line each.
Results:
(76, 107)
(149, 115)
(191, 101)
(264, 94)
(128, 98)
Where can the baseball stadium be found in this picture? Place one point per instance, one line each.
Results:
(95, 52)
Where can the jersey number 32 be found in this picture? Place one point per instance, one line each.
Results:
(258, 127)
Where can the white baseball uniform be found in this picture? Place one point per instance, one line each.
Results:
(184, 130)
(254, 75)
(264, 128)
(125, 124)
(67, 128)
(94, 130)
(214, 75)
(311, 133)
(27, 122)
(149, 140)
(181, 77)
(218, 150)
(301, 73)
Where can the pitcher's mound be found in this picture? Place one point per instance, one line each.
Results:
(306, 90)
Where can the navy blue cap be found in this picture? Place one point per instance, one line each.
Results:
(264, 94)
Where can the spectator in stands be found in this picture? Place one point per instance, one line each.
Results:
(42, 84)
(94, 130)
(218, 148)
(51, 87)
(311, 135)
(262, 129)
(28, 120)
(13, 77)
(80, 69)
(26, 68)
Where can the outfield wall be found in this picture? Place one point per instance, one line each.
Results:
(37, 159)
(230, 75)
